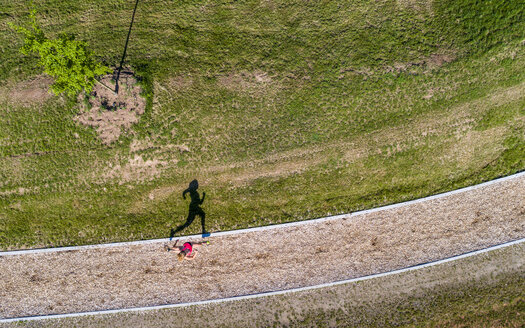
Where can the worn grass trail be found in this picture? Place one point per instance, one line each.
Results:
(268, 260)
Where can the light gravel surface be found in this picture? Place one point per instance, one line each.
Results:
(268, 260)
(410, 297)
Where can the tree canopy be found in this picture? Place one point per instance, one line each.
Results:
(70, 62)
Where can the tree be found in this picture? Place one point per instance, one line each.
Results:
(68, 61)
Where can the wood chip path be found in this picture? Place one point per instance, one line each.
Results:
(268, 260)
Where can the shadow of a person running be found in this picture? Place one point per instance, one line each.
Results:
(194, 209)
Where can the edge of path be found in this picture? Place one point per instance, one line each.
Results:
(268, 227)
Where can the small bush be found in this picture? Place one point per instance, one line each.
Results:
(68, 61)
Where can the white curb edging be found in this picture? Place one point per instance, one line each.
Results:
(280, 292)
(275, 226)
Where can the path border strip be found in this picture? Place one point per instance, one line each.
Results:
(269, 227)
(266, 294)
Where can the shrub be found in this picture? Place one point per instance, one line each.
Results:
(72, 65)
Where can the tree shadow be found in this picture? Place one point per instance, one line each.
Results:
(125, 47)
(194, 209)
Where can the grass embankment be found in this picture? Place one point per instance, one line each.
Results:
(283, 110)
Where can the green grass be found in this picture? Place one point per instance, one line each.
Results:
(283, 110)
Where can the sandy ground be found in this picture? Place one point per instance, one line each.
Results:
(247, 263)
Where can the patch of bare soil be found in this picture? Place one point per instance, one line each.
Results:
(28, 92)
(111, 113)
(274, 259)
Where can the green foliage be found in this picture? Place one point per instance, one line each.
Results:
(68, 61)
(479, 25)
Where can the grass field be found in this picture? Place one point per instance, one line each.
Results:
(283, 110)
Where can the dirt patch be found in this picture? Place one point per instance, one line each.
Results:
(440, 59)
(157, 195)
(355, 152)
(176, 148)
(110, 113)
(146, 161)
(28, 92)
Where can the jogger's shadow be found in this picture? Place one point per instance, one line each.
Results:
(193, 210)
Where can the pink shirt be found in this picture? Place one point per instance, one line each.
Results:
(187, 246)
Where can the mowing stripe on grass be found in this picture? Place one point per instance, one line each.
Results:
(275, 226)
(266, 294)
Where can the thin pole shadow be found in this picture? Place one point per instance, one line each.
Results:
(194, 209)
(125, 47)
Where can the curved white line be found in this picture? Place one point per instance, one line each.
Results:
(275, 226)
(265, 294)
